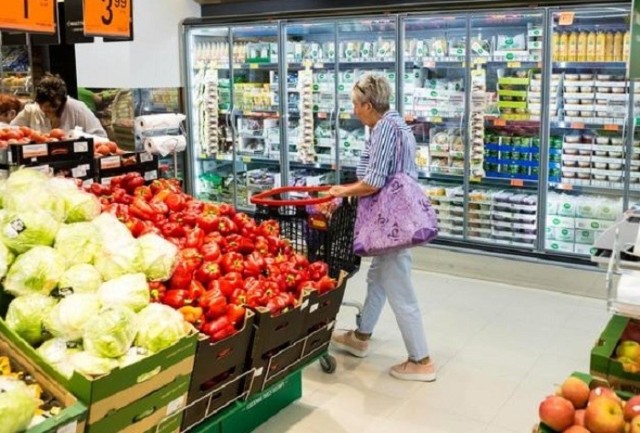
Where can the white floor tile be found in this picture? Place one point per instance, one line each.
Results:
(499, 349)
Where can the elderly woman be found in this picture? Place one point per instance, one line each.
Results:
(54, 108)
(10, 106)
(389, 276)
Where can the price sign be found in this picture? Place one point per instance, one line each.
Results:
(611, 127)
(514, 64)
(565, 186)
(577, 125)
(500, 122)
(475, 179)
(36, 16)
(566, 18)
(246, 159)
(429, 64)
(517, 182)
(110, 18)
(254, 66)
(436, 119)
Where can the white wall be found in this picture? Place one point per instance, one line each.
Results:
(152, 59)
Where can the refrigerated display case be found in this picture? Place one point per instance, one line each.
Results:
(523, 118)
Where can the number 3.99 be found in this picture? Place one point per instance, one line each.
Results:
(120, 3)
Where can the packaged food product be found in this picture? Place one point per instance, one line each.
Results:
(626, 46)
(572, 50)
(609, 50)
(591, 46)
(563, 47)
(555, 46)
(582, 47)
(618, 41)
(506, 42)
(601, 46)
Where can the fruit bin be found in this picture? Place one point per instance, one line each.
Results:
(624, 376)
(220, 373)
(72, 417)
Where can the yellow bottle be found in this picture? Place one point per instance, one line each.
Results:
(591, 47)
(572, 51)
(555, 46)
(564, 46)
(626, 46)
(608, 50)
(618, 41)
(582, 47)
(601, 46)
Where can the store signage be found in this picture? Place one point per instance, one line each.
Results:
(566, 18)
(634, 55)
(74, 23)
(33, 16)
(108, 18)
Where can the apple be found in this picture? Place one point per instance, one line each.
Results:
(629, 365)
(628, 349)
(556, 412)
(634, 425)
(604, 415)
(579, 417)
(632, 408)
(602, 391)
(576, 391)
(576, 429)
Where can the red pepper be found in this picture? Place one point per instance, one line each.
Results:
(173, 230)
(238, 297)
(326, 284)
(175, 202)
(132, 181)
(177, 298)
(160, 195)
(299, 261)
(261, 246)
(211, 252)
(235, 314)
(191, 257)
(135, 226)
(318, 270)
(144, 192)
(181, 277)
(224, 287)
(195, 238)
(245, 246)
(269, 228)
(208, 221)
(157, 291)
(196, 206)
(208, 271)
(233, 262)
(159, 207)
(141, 209)
(227, 209)
(213, 303)
(254, 264)
(226, 226)
(190, 218)
(233, 243)
(196, 289)
(120, 196)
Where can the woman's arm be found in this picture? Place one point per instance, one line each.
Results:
(358, 189)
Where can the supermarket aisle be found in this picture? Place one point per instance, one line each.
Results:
(500, 350)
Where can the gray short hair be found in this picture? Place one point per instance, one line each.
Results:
(374, 89)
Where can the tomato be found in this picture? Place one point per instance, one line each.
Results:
(57, 133)
(102, 149)
(113, 147)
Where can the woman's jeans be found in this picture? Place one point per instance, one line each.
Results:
(390, 277)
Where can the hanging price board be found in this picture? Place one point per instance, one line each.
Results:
(611, 127)
(517, 182)
(109, 18)
(34, 16)
(566, 18)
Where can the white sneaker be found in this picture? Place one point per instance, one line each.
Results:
(348, 342)
(410, 370)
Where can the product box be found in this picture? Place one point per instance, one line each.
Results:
(37, 154)
(592, 224)
(603, 363)
(586, 250)
(565, 235)
(560, 221)
(142, 162)
(73, 415)
(587, 237)
(559, 246)
(123, 386)
(217, 379)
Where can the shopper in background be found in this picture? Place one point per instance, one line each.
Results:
(54, 108)
(10, 106)
(389, 276)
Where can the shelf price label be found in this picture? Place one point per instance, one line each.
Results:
(565, 186)
(611, 127)
(566, 18)
(577, 125)
(475, 179)
(436, 119)
(246, 159)
(29, 15)
(429, 64)
(254, 66)
(517, 182)
(499, 122)
(514, 64)
(108, 18)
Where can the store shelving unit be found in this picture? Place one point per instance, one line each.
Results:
(510, 128)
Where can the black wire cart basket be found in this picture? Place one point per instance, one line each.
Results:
(319, 227)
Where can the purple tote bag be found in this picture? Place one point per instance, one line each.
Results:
(398, 216)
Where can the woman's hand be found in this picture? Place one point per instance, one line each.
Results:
(338, 191)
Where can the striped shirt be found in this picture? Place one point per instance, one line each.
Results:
(379, 159)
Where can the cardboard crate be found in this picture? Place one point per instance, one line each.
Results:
(603, 363)
(123, 386)
(217, 378)
(141, 162)
(77, 169)
(73, 415)
(37, 154)
(158, 412)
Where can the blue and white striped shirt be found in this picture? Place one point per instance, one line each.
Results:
(378, 161)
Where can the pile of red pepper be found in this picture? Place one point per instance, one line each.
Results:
(227, 262)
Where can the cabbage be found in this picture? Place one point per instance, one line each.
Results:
(60, 184)
(79, 205)
(133, 355)
(78, 242)
(160, 326)
(117, 259)
(131, 290)
(24, 230)
(25, 178)
(111, 229)
(111, 332)
(18, 405)
(3, 190)
(81, 278)
(32, 198)
(25, 316)
(92, 365)
(68, 318)
(158, 257)
(6, 258)
(57, 352)
(36, 271)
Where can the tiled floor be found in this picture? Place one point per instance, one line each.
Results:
(500, 349)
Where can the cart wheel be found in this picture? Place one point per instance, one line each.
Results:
(328, 364)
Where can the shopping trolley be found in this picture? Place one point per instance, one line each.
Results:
(320, 227)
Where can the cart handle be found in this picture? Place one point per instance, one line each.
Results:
(264, 199)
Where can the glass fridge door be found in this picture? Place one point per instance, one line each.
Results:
(209, 103)
(434, 84)
(365, 45)
(255, 117)
(589, 129)
(505, 128)
(311, 133)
